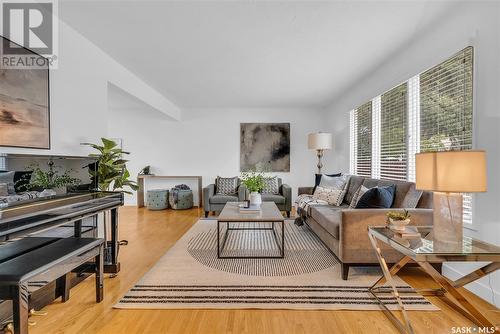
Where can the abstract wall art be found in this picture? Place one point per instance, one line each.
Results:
(265, 147)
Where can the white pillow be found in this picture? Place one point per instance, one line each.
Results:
(4, 189)
(357, 195)
(332, 196)
(334, 182)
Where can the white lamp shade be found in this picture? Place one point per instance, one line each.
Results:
(452, 171)
(320, 141)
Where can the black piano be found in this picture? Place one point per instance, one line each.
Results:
(43, 222)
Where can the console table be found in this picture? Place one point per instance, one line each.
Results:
(424, 251)
(141, 179)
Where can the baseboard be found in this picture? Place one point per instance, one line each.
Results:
(480, 289)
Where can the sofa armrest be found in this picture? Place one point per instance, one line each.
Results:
(353, 230)
(208, 192)
(242, 193)
(305, 190)
(286, 191)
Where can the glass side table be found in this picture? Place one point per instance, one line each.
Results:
(424, 251)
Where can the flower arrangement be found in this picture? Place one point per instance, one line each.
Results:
(253, 181)
(398, 215)
(51, 179)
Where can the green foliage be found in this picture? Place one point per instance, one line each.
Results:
(111, 173)
(398, 215)
(53, 178)
(254, 181)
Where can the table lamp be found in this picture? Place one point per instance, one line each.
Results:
(320, 141)
(449, 174)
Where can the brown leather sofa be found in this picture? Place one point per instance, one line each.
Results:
(344, 230)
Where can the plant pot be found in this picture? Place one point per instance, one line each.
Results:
(255, 198)
(48, 192)
(399, 225)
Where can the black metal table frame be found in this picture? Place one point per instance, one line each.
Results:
(220, 245)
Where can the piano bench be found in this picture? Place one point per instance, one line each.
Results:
(44, 259)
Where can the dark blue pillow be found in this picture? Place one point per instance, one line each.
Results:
(317, 179)
(377, 198)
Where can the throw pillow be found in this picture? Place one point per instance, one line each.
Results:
(317, 179)
(332, 196)
(412, 197)
(4, 189)
(227, 185)
(357, 195)
(8, 177)
(377, 198)
(334, 182)
(271, 185)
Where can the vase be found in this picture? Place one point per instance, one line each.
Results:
(399, 225)
(255, 198)
(48, 192)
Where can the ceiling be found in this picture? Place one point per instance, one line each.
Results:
(250, 54)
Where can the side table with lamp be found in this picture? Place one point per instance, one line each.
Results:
(448, 174)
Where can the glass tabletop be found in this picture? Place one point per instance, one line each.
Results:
(426, 244)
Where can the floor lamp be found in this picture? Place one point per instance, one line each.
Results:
(320, 141)
(449, 174)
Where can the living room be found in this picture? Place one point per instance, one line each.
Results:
(218, 105)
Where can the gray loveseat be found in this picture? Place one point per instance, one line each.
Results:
(344, 230)
(214, 202)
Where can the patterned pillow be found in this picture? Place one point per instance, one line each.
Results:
(412, 197)
(271, 185)
(357, 195)
(8, 177)
(227, 185)
(332, 196)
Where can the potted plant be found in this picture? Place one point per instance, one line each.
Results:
(398, 219)
(254, 182)
(111, 173)
(50, 180)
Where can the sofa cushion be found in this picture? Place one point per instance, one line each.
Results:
(317, 179)
(355, 182)
(377, 197)
(223, 199)
(271, 185)
(329, 195)
(226, 185)
(357, 195)
(278, 199)
(328, 217)
(402, 188)
(412, 197)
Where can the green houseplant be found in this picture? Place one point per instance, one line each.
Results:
(48, 180)
(112, 173)
(398, 219)
(254, 182)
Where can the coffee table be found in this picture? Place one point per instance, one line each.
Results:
(231, 220)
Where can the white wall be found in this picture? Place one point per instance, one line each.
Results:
(78, 94)
(470, 23)
(207, 142)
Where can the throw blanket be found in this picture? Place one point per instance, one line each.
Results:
(303, 204)
(5, 200)
(175, 191)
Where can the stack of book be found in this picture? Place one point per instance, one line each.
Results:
(410, 232)
(251, 209)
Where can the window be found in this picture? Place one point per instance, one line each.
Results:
(446, 109)
(432, 111)
(363, 119)
(393, 132)
(3, 162)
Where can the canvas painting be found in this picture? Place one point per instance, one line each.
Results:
(24, 108)
(265, 147)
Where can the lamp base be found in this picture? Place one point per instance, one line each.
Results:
(448, 222)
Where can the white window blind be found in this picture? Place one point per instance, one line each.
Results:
(413, 124)
(394, 132)
(3, 162)
(376, 105)
(363, 116)
(446, 109)
(353, 142)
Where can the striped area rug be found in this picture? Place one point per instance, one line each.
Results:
(190, 275)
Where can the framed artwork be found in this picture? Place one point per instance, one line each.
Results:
(24, 106)
(265, 147)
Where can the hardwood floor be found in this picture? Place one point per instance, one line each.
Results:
(150, 235)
